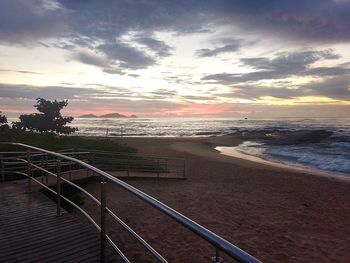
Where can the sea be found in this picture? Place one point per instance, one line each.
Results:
(331, 154)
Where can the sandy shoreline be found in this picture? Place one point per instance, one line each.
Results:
(275, 214)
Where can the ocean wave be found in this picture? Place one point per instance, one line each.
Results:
(331, 157)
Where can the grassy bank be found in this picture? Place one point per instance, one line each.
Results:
(55, 142)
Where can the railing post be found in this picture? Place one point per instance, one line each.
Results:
(103, 222)
(46, 168)
(2, 170)
(158, 168)
(217, 258)
(128, 165)
(42, 165)
(58, 187)
(29, 171)
(70, 170)
(184, 169)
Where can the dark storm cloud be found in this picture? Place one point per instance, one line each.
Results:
(282, 66)
(230, 46)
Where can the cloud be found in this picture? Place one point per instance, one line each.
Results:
(20, 71)
(255, 92)
(30, 21)
(307, 21)
(337, 88)
(233, 45)
(93, 98)
(91, 59)
(126, 55)
(313, 20)
(289, 62)
(26, 21)
(32, 92)
(281, 66)
(87, 92)
(165, 92)
(158, 46)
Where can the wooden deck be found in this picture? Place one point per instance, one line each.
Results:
(30, 231)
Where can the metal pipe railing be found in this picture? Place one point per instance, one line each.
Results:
(89, 217)
(218, 242)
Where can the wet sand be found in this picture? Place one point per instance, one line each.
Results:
(275, 214)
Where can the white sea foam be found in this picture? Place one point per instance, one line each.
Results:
(332, 158)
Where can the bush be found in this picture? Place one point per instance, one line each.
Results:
(49, 120)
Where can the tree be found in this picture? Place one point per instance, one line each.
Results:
(3, 123)
(49, 120)
(3, 119)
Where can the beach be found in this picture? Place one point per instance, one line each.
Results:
(275, 214)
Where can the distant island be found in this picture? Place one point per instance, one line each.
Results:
(108, 115)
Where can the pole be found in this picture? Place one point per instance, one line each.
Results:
(46, 168)
(128, 165)
(184, 169)
(58, 188)
(2, 170)
(29, 171)
(103, 221)
(217, 258)
(158, 168)
(42, 165)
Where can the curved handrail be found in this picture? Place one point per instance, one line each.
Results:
(217, 241)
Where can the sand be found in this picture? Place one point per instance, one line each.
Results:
(275, 214)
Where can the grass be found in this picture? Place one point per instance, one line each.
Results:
(54, 142)
(70, 192)
(75, 143)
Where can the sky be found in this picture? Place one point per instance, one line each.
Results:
(205, 58)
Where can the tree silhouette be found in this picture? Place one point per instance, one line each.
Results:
(3, 123)
(3, 119)
(49, 120)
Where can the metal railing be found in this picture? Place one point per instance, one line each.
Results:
(220, 244)
(168, 167)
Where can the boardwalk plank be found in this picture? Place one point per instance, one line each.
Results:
(30, 231)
